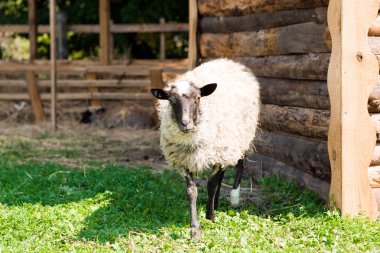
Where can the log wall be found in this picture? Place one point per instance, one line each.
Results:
(287, 44)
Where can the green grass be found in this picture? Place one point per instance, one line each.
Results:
(106, 207)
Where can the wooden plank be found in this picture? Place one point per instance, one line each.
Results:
(294, 39)
(193, 38)
(105, 32)
(115, 28)
(125, 83)
(53, 64)
(244, 7)
(352, 73)
(81, 96)
(260, 21)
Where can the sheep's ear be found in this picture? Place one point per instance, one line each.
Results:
(160, 94)
(208, 89)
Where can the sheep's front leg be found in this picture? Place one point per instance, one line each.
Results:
(213, 189)
(235, 192)
(192, 194)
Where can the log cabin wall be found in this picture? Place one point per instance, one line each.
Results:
(287, 44)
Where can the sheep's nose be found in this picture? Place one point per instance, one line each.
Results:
(186, 125)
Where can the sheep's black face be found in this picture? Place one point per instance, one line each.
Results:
(184, 98)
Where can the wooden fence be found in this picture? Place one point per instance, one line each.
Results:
(161, 28)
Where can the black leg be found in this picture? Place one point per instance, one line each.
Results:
(238, 173)
(216, 200)
(192, 194)
(213, 193)
(235, 192)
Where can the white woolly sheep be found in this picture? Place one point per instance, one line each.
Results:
(208, 120)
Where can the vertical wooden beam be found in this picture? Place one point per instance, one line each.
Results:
(94, 102)
(105, 40)
(353, 71)
(193, 24)
(104, 24)
(162, 42)
(53, 64)
(34, 93)
(32, 17)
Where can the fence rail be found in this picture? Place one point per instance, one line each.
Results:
(115, 28)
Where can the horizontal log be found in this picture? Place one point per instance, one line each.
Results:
(267, 166)
(293, 39)
(374, 176)
(244, 7)
(296, 93)
(376, 155)
(306, 122)
(376, 119)
(81, 96)
(115, 28)
(260, 21)
(301, 66)
(125, 83)
(304, 154)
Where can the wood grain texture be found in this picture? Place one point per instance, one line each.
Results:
(193, 34)
(311, 123)
(352, 73)
(305, 154)
(93, 102)
(260, 21)
(244, 7)
(294, 39)
(296, 93)
(105, 31)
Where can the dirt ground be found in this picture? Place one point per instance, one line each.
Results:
(77, 145)
(89, 142)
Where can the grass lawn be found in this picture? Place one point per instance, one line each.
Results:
(50, 205)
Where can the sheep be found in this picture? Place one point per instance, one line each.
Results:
(208, 120)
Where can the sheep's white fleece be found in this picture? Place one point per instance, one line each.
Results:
(228, 118)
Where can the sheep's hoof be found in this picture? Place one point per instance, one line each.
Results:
(195, 233)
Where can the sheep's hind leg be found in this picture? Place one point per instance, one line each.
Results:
(213, 189)
(192, 193)
(235, 192)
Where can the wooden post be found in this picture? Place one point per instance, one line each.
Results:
(162, 42)
(104, 23)
(193, 23)
(61, 35)
(105, 42)
(353, 71)
(94, 102)
(53, 64)
(34, 93)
